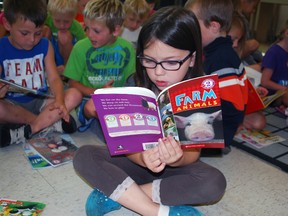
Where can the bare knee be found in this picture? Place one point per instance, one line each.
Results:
(255, 121)
(89, 109)
(73, 98)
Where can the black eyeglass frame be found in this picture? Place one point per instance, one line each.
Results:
(180, 62)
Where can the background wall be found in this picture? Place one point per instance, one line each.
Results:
(269, 19)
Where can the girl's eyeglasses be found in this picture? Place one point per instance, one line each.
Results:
(169, 65)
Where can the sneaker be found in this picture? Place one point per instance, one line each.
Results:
(14, 134)
(184, 211)
(69, 127)
(62, 126)
(99, 204)
(226, 150)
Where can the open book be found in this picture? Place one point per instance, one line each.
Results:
(255, 102)
(133, 118)
(55, 148)
(258, 138)
(13, 87)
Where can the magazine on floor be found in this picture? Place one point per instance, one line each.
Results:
(9, 207)
(133, 118)
(35, 160)
(258, 138)
(56, 148)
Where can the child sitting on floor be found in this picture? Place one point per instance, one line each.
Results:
(30, 63)
(136, 12)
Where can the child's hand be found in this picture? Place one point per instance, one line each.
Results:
(169, 150)
(62, 110)
(262, 91)
(3, 89)
(152, 160)
(108, 84)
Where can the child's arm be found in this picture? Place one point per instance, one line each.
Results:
(55, 84)
(85, 90)
(267, 82)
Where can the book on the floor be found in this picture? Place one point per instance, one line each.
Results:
(35, 160)
(14, 87)
(258, 138)
(133, 118)
(9, 207)
(256, 103)
(56, 148)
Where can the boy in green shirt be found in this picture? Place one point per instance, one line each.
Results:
(101, 60)
(64, 30)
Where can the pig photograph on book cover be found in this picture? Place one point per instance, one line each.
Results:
(133, 118)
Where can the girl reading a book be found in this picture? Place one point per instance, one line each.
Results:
(164, 180)
(275, 69)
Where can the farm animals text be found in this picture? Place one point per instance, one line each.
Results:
(196, 100)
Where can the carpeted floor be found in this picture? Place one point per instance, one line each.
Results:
(276, 154)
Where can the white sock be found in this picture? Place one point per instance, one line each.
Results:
(163, 210)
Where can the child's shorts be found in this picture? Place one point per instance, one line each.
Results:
(35, 106)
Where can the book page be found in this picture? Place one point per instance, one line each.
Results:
(194, 107)
(269, 99)
(129, 118)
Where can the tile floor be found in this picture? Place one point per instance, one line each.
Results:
(254, 188)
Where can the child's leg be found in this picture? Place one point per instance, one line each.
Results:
(101, 173)
(136, 199)
(285, 99)
(48, 117)
(120, 179)
(89, 109)
(36, 123)
(256, 121)
(12, 113)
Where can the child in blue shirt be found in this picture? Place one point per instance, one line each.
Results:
(30, 63)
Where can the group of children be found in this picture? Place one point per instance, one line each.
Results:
(100, 58)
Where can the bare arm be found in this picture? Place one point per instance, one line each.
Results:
(267, 82)
(85, 90)
(55, 84)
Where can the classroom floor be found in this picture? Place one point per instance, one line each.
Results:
(254, 187)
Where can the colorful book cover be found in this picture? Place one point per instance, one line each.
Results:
(10, 207)
(35, 160)
(56, 148)
(133, 118)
